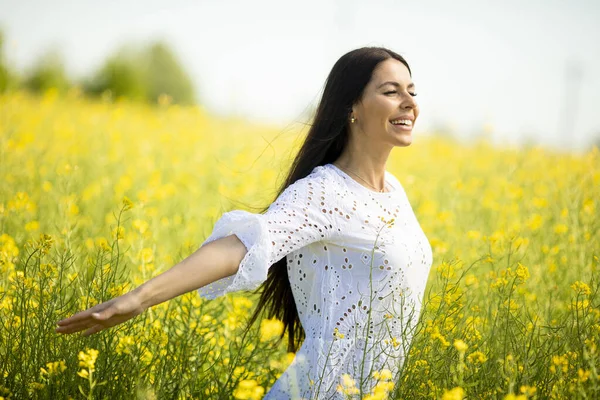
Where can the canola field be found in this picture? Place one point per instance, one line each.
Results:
(97, 197)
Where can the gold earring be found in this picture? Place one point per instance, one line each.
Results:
(352, 120)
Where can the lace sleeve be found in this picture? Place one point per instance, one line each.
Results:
(295, 219)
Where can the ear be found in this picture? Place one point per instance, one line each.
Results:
(354, 113)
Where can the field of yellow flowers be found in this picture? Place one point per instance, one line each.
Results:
(97, 197)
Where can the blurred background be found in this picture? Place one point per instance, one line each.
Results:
(519, 73)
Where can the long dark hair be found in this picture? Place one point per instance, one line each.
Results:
(324, 143)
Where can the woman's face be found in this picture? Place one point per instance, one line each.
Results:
(387, 100)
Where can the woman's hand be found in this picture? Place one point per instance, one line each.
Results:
(213, 261)
(104, 315)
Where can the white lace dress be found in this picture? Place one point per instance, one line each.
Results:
(348, 269)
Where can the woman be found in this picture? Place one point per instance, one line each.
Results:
(339, 254)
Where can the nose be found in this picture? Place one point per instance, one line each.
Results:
(408, 102)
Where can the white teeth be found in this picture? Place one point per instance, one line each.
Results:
(402, 122)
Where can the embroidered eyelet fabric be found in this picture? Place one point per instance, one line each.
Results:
(358, 279)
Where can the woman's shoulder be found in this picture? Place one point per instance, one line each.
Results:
(318, 183)
(320, 177)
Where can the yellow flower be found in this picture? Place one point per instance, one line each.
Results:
(248, 389)
(534, 222)
(446, 270)
(102, 243)
(560, 228)
(581, 288)
(521, 241)
(124, 345)
(348, 381)
(510, 305)
(22, 203)
(118, 232)
(579, 305)
(588, 206)
(32, 226)
(45, 243)
(471, 280)
(522, 273)
(559, 361)
(242, 304)
(127, 204)
(383, 386)
(270, 328)
(540, 202)
(473, 234)
(528, 390)
(437, 335)
(460, 345)
(88, 358)
(477, 357)
(146, 255)
(456, 393)
(347, 386)
(583, 375)
(337, 334)
(511, 396)
(385, 374)
(53, 368)
(140, 225)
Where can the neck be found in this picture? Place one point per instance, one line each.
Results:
(366, 162)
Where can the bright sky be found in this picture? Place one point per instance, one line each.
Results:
(529, 69)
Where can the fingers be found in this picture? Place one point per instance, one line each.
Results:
(80, 316)
(94, 329)
(99, 317)
(83, 315)
(83, 320)
(93, 322)
(76, 327)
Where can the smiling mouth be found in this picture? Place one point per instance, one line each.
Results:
(402, 121)
(403, 126)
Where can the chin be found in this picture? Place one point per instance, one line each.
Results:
(403, 142)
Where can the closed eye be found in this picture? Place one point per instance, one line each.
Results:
(393, 91)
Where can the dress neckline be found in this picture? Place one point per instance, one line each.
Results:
(355, 183)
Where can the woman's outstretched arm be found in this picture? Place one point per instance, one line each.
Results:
(211, 262)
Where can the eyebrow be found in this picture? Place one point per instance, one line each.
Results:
(410, 86)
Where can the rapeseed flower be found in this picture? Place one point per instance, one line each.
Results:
(460, 345)
(248, 389)
(477, 357)
(456, 393)
(581, 288)
(347, 385)
(53, 368)
(337, 334)
(270, 328)
(87, 360)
